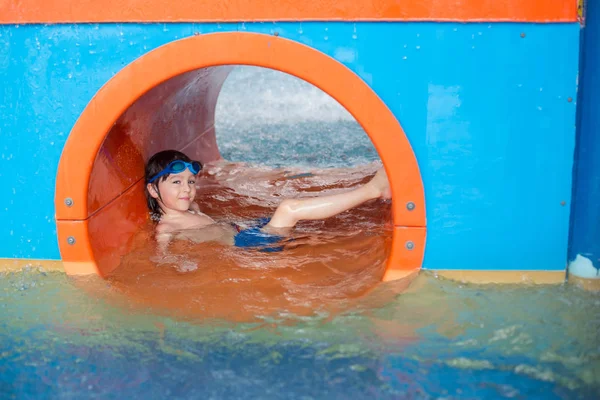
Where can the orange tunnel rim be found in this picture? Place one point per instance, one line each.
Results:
(237, 48)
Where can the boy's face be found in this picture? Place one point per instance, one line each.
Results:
(177, 191)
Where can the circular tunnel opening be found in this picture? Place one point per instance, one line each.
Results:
(157, 103)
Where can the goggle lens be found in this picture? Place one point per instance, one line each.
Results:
(177, 166)
(196, 167)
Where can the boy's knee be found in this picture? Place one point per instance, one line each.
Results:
(289, 205)
(285, 215)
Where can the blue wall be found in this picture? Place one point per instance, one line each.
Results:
(485, 109)
(585, 230)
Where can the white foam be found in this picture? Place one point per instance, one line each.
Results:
(583, 267)
(253, 95)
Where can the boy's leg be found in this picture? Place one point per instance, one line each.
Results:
(291, 211)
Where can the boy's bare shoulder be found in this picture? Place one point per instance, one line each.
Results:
(197, 220)
(164, 227)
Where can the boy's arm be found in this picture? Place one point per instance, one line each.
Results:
(163, 239)
(195, 207)
(210, 233)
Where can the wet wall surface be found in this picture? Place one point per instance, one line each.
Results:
(488, 109)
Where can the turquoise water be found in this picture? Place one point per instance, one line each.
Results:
(438, 339)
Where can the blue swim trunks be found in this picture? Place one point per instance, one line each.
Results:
(254, 237)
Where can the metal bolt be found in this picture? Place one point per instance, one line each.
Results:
(71, 240)
(276, 33)
(69, 201)
(569, 99)
(410, 206)
(410, 245)
(522, 34)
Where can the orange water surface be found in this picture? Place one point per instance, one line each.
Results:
(324, 267)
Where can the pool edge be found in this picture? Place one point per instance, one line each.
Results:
(17, 264)
(467, 276)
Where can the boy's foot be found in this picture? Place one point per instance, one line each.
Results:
(381, 184)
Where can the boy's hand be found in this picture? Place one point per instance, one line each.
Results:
(195, 207)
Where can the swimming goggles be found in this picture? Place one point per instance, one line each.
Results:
(176, 167)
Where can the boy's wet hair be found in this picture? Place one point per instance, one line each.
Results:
(155, 164)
